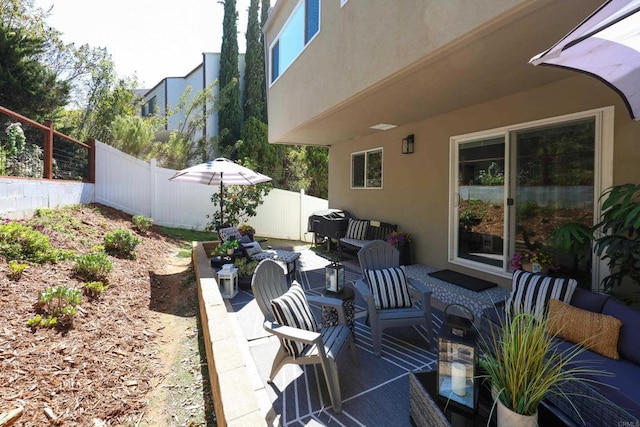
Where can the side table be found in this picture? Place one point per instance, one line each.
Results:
(330, 315)
(228, 282)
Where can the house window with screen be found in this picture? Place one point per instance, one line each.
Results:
(366, 169)
(511, 187)
(301, 27)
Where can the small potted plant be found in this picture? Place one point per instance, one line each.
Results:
(247, 230)
(401, 240)
(228, 247)
(535, 261)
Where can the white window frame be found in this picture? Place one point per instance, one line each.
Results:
(301, 3)
(603, 179)
(365, 152)
(343, 2)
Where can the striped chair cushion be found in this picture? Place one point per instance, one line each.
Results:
(357, 229)
(389, 287)
(292, 309)
(229, 233)
(530, 293)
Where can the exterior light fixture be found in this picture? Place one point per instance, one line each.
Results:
(407, 144)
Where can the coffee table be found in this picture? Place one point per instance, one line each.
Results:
(427, 408)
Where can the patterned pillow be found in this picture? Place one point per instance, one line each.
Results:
(597, 332)
(252, 248)
(530, 293)
(229, 233)
(389, 287)
(357, 229)
(292, 309)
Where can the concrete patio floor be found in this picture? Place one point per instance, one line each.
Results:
(376, 392)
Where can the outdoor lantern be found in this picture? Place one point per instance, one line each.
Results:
(407, 145)
(457, 361)
(334, 277)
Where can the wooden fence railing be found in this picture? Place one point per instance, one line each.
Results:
(50, 170)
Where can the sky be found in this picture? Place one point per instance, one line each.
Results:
(149, 38)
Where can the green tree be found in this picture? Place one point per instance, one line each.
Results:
(26, 85)
(318, 170)
(254, 67)
(132, 134)
(230, 114)
(264, 14)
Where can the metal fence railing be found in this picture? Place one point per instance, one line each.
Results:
(33, 150)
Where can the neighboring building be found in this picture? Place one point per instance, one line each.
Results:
(166, 94)
(521, 144)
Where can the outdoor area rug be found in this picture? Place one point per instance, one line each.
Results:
(467, 282)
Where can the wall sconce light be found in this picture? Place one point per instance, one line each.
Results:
(407, 145)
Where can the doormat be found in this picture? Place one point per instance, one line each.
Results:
(462, 280)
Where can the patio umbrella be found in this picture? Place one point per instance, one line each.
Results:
(221, 172)
(606, 46)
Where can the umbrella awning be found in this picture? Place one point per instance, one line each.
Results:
(606, 46)
(219, 171)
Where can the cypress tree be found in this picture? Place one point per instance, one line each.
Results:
(230, 114)
(266, 4)
(254, 67)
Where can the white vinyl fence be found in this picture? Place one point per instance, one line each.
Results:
(141, 188)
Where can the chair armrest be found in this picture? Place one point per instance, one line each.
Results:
(334, 303)
(281, 331)
(421, 292)
(365, 292)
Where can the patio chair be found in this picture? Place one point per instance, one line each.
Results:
(302, 341)
(392, 299)
(255, 252)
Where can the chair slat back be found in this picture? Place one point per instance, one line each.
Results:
(378, 254)
(269, 281)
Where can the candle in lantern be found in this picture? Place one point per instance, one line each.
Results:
(459, 378)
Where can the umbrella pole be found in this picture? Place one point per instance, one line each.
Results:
(221, 202)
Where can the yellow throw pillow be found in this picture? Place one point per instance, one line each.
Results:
(597, 332)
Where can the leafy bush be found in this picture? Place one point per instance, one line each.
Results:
(16, 269)
(59, 306)
(15, 139)
(18, 241)
(121, 243)
(94, 289)
(141, 223)
(93, 266)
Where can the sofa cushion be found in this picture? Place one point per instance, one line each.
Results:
(357, 229)
(292, 309)
(597, 332)
(629, 341)
(252, 248)
(530, 293)
(618, 383)
(588, 300)
(229, 233)
(389, 287)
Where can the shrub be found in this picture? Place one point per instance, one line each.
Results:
(21, 242)
(93, 266)
(59, 306)
(141, 223)
(94, 289)
(121, 243)
(16, 269)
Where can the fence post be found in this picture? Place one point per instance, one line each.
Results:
(153, 171)
(48, 149)
(301, 207)
(91, 160)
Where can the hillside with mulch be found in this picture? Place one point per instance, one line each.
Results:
(102, 370)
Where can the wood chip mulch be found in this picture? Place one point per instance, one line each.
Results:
(98, 372)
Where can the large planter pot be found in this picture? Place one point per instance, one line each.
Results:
(509, 418)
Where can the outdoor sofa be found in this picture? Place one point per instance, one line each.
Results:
(613, 399)
(362, 231)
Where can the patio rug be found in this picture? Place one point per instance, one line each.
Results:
(463, 280)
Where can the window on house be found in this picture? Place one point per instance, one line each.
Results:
(149, 108)
(301, 27)
(512, 187)
(366, 169)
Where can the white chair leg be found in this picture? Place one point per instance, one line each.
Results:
(330, 370)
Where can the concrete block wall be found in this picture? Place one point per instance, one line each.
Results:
(19, 198)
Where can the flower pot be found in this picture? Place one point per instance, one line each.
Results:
(509, 418)
(230, 251)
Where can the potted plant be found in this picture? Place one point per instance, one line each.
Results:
(523, 365)
(245, 269)
(535, 261)
(247, 230)
(228, 247)
(402, 241)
